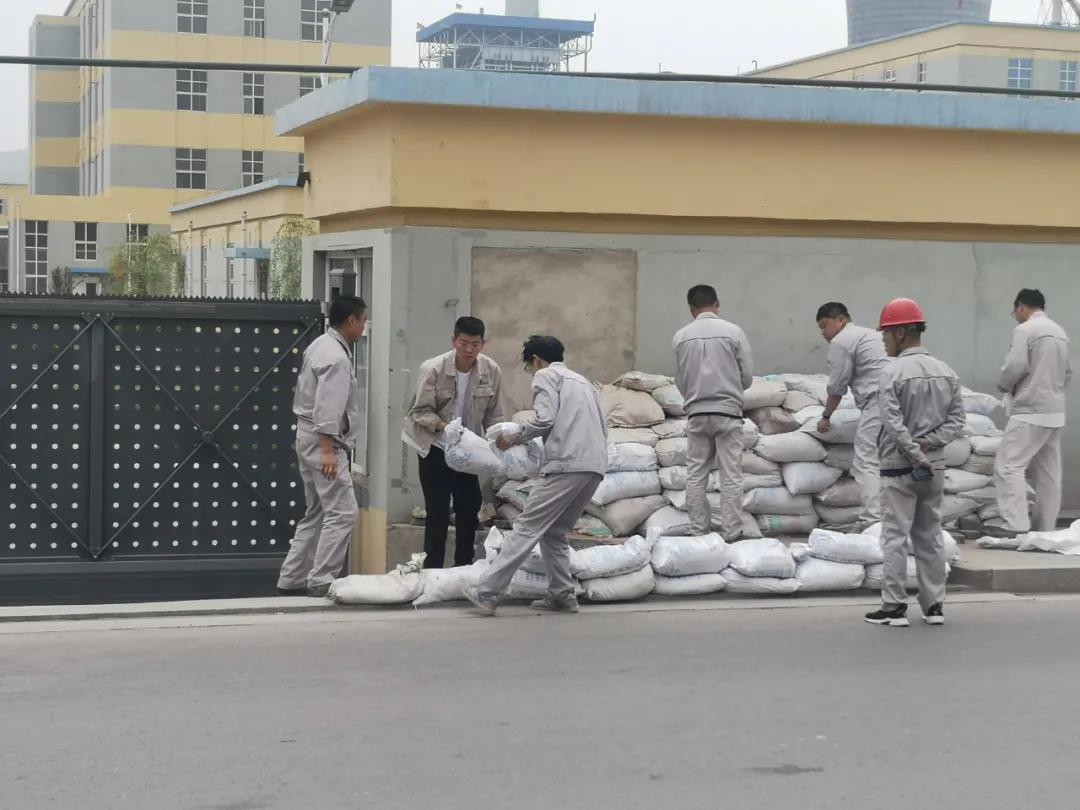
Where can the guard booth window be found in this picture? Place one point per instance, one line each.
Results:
(349, 273)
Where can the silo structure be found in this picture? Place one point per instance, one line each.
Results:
(870, 20)
(522, 8)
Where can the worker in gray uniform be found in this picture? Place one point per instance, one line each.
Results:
(922, 410)
(327, 413)
(1036, 372)
(570, 419)
(713, 367)
(855, 359)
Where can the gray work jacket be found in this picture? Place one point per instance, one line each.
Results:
(855, 360)
(325, 401)
(713, 366)
(570, 419)
(1038, 367)
(919, 398)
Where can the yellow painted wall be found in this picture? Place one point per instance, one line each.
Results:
(54, 152)
(56, 86)
(169, 128)
(148, 206)
(548, 164)
(272, 205)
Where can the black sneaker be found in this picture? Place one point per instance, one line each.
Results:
(292, 591)
(934, 615)
(894, 616)
(319, 591)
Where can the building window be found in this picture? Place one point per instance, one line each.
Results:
(137, 234)
(202, 269)
(254, 93)
(255, 18)
(1020, 74)
(300, 164)
(922, 73)
(890, 75)
(1067, 77)
(191, 16)
(85, 241)
(191, 90)
(251, 167)
(36, 258)
(312, 17)
(191, 168)
(309, 84)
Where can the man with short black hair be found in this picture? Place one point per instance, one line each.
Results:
(855, 360)
(1033, 379)
(327, 420)
(570, 419)
(714, 366)
(461, 384)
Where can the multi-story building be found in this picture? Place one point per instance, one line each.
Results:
(1024, 57)
(113, 149)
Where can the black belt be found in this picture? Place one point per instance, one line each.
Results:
(897, 473)
(716, 413)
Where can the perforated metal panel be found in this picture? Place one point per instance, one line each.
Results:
(149, 430)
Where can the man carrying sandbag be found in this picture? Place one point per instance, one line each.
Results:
(461, 384)
(327, 419)
(714, 366)
(855, 360)
(922, 410)
(570, 419)
(1036, 372)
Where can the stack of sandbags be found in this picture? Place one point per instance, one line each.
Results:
(529, 582)
(761, 566)
(836, 561)
(689, 566)
(875, 573)
(618, 573)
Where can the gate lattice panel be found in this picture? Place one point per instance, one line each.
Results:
(149, 430)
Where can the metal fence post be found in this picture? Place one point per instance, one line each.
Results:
(96, 432)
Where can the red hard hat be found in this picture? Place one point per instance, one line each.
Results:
(901, 312)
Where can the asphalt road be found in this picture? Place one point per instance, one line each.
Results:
(703, 708)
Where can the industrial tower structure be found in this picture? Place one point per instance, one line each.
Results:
(521, 41)
(871, 20)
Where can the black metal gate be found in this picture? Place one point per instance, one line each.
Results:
(146, 446)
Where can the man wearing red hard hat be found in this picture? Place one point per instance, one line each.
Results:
(922, 410)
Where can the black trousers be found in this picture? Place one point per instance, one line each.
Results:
(441, 485)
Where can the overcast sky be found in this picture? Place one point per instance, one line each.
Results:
(691, 36)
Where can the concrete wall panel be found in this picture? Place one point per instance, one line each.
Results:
(56, 119)
(60, 180)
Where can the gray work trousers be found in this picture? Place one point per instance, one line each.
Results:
(554, 506)
(321, 539)
(1029, 452)
(913, 508)
(715, 442)
(866, 466)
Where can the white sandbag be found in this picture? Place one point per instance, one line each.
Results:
(493, 544)
(674, 479)
(840, 456)
(845, 492)
(671, 429)
(750, 527)
(834, 517)
(813, 385)
(986, 445)
(787, 448)
(696, 585)
(952, 550)
(521, 462)
(622, 485)
(979, 425)
(982, 496)
(787, 525)
(795, 401)
(525, 586)
(799, 551)
(448, 584)
(842, 427)
(1000, 543)
(671, 400)
(468, 453)
(640, 381)
(753, 464)
(763, 557)
(815, 574)
(629, 409)
(624, 588)
(631, 458)
(980, 465)
(771, 421)
(959, 481)
(508, 512)
(625, 516)
(809, 477)
(954, 507)
(515, 493)
(401, 585)
(957, 452)
(805, 414)
(611, 561)
(739, 583)
(646, 436)
(1064, 541)
(777, 501)
(750, 434)
(590, 526)
(991, 514)
(984, 404)
(672, 452)
(667, 521)
(875, 576)
(860, 549)
(764, 393)
(686, 556)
